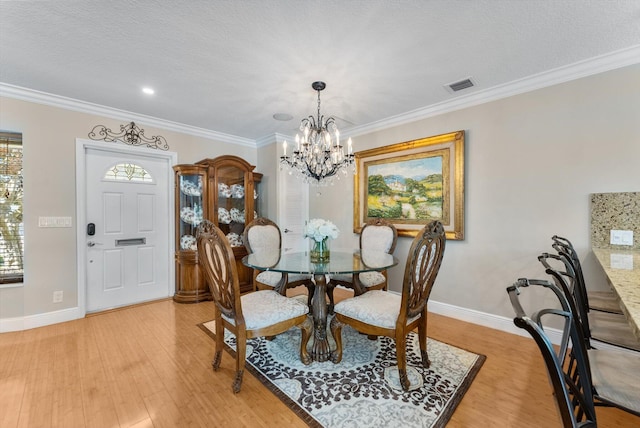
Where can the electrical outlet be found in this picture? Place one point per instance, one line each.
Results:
(57, 296)
(622, 237)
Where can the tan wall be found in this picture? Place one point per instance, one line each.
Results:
(49, 142)
(267, 163)
(532, 161)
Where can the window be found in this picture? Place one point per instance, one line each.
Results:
(128, 172)
(11, 226)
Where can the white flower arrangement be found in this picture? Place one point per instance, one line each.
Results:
(319, 229)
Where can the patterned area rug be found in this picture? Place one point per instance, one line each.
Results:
(363, 390)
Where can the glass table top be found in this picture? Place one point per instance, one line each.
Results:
(339, 262)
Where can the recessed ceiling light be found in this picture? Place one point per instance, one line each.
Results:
(282, 116)
(147, 90)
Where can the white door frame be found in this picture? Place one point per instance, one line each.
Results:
(81, 207)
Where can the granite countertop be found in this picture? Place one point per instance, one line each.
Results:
(622, 267)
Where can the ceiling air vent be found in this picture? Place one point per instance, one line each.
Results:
(460, 85)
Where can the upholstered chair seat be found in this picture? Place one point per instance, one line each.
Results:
(376, 307)
(266, 307)
(272, 279)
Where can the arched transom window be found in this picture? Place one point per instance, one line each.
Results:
(128, 172)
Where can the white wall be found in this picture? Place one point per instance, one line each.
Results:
(531, 162)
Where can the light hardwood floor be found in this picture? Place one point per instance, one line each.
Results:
(150, 366)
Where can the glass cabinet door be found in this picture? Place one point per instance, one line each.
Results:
(191, 209)
(232, 204)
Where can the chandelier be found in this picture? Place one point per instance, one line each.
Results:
(318, 155)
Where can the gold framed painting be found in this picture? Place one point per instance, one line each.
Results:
(411, 184)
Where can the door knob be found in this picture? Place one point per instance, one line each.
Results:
(93, 244)
(287, 230)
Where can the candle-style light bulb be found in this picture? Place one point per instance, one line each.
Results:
(350, 148)
(337, 138)
(297, 142)
(284, 147)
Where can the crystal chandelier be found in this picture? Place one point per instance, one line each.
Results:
(318, 155)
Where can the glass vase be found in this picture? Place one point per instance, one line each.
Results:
(320, 251)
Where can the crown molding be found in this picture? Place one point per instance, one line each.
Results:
(273, 139)
(31, 95)
(596, 65)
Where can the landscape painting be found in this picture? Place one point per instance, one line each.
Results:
(408, 189)
(412, 183)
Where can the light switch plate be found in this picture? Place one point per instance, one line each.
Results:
(54, 222)
(622, 237)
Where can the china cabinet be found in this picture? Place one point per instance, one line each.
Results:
(233, 192)
(191, 192)
(225, 191)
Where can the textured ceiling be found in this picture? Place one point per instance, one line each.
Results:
(229, 66)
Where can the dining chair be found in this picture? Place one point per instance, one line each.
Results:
(376, 234)
(583, 379)
(601, 300)
(262, 236)
(382, 313)
(567, 369)
(610, 328)
(255, 314)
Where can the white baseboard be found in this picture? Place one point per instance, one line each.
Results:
(484, 319)
(39, 320)
(505, 324)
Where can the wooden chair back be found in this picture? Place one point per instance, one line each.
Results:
(423, 264)
(263, 235)
(218, 263)
(376, 234)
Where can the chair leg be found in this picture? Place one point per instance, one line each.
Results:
(237, 382)
(241, 355)
(422, 338)
(330, 287)
(306, 327)
(336, 332)
(217, 358)
(310, 290)
(401, 356)
(219, 343)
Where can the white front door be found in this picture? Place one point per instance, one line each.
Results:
(127, 223)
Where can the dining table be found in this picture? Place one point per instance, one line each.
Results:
(622, 268)
(339, 262)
